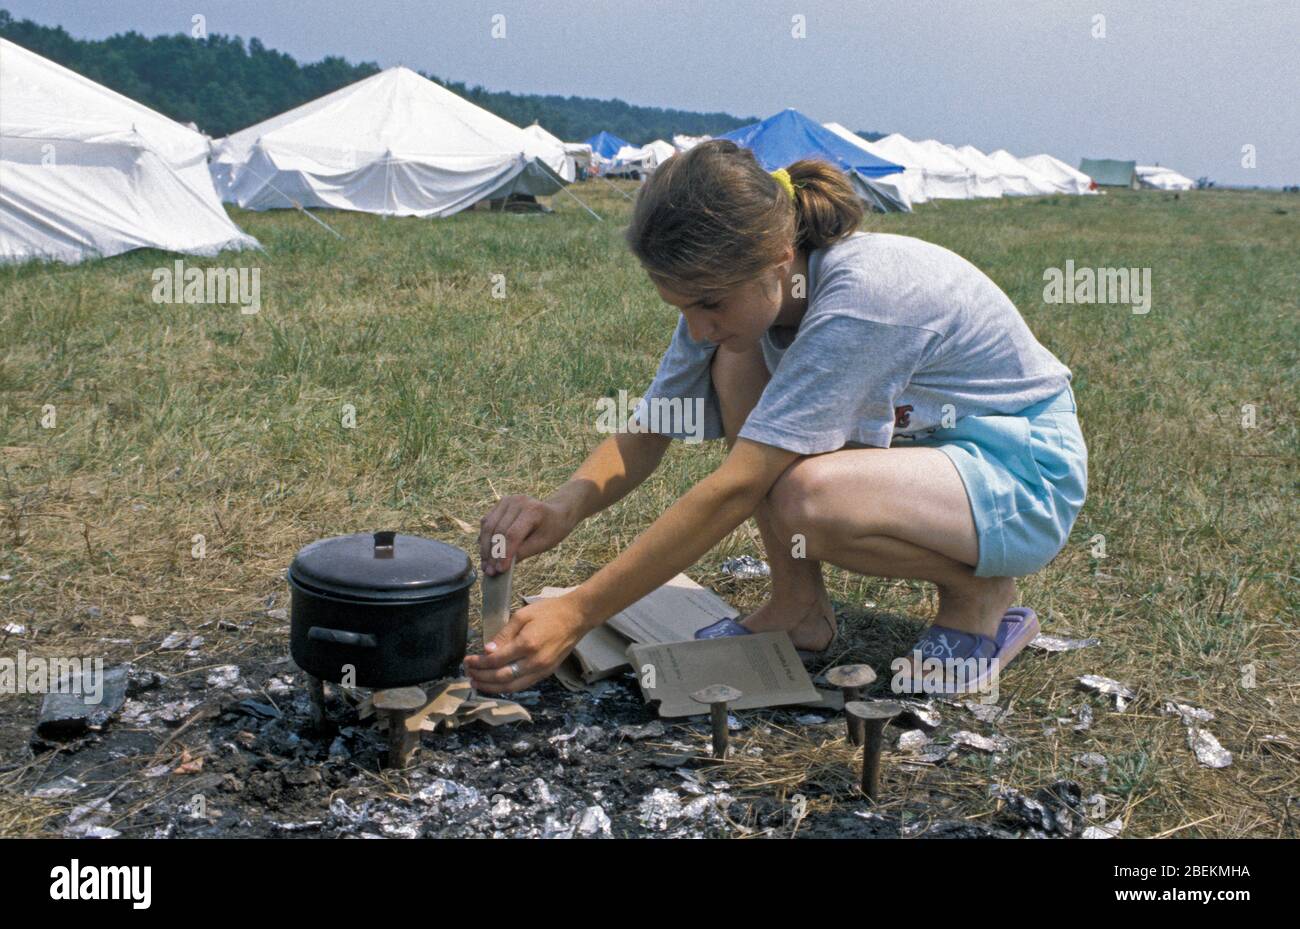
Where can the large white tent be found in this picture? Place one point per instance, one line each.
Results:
(86, 172)
(575, 153)
(988, 175)
(394, 143)
(1067, 180)
(1162, 178)
(908, 184)
(645, 157)
(943, 177)
(1025, 180)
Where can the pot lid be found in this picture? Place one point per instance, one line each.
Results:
(382, 566)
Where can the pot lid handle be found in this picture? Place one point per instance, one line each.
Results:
(384, 544)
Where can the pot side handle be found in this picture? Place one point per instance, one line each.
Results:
(342, 637)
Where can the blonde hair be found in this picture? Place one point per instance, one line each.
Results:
(711, 217)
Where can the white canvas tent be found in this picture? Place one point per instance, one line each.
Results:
(684, 143)
(988, 175)
(1066, 179)
(86, 172)
(646, 157)
(575, 152)
(394, 143)
(1025, 180)
(1161, 178)
(906, 186)
(943, 177)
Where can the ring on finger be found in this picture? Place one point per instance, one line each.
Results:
(514, 670)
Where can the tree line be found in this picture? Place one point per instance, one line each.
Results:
(222, 85)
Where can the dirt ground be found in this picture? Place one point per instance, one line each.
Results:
(204, 747)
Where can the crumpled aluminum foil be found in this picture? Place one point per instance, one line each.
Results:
(1118, 692)
(997, 743)
(651, 730)
(592, 821)
(745, 567)
(913, 741)
(1092, 760)
(659, 808)
(224, 676)
(987, 712)
(1057, 808)
(1207, 748)
(917, 714)
(1190, 714)
(935, 753)
(1056, 643)
(449, 794)
(1110, 830)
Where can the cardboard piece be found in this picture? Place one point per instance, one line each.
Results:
(494, 712)
(453, 702)
(445, 701)
(672, 613)
(763, 666)
(569, 674)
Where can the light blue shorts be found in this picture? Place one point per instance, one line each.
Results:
(1026, 477)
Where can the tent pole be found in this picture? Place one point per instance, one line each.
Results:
(615, 186)
(294, 203)
(583, 205)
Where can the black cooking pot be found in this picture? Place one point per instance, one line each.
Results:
(393, 607)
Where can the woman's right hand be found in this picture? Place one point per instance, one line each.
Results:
(525, 525)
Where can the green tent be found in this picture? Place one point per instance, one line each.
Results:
(1108, 172)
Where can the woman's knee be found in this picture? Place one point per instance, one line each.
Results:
(813, 498)
(802, 499)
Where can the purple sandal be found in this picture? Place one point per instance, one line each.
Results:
(725, 628)
(1019, 627)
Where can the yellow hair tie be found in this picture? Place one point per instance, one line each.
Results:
(783, 178)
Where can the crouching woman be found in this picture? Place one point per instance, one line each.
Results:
(887, 410)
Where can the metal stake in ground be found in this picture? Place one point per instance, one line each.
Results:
(717, 696)
(395, 705)
(850, 679)
(316, 691)
(873, 717)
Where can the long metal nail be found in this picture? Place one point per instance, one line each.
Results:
(316, 691)
(395, 705)
(873, 716)
(851, 679)
(717, 697)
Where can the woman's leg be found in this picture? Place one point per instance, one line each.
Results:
(799, 602)
(899, 512)
(894, 512)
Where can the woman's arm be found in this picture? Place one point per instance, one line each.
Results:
(615, 468)
(539, 636)
(699, 520)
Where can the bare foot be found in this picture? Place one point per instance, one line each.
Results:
(810, 619)
(976, 606)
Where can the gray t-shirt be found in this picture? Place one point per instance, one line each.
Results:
(900, 337)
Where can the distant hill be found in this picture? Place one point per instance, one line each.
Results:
(222, 85)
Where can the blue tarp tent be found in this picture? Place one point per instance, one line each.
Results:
(789, 136)
(606, 144)
(605, 147)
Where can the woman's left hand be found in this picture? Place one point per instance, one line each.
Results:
(530, 647)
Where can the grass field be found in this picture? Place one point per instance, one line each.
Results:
(181, 420)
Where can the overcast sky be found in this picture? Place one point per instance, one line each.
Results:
(1184, 84)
